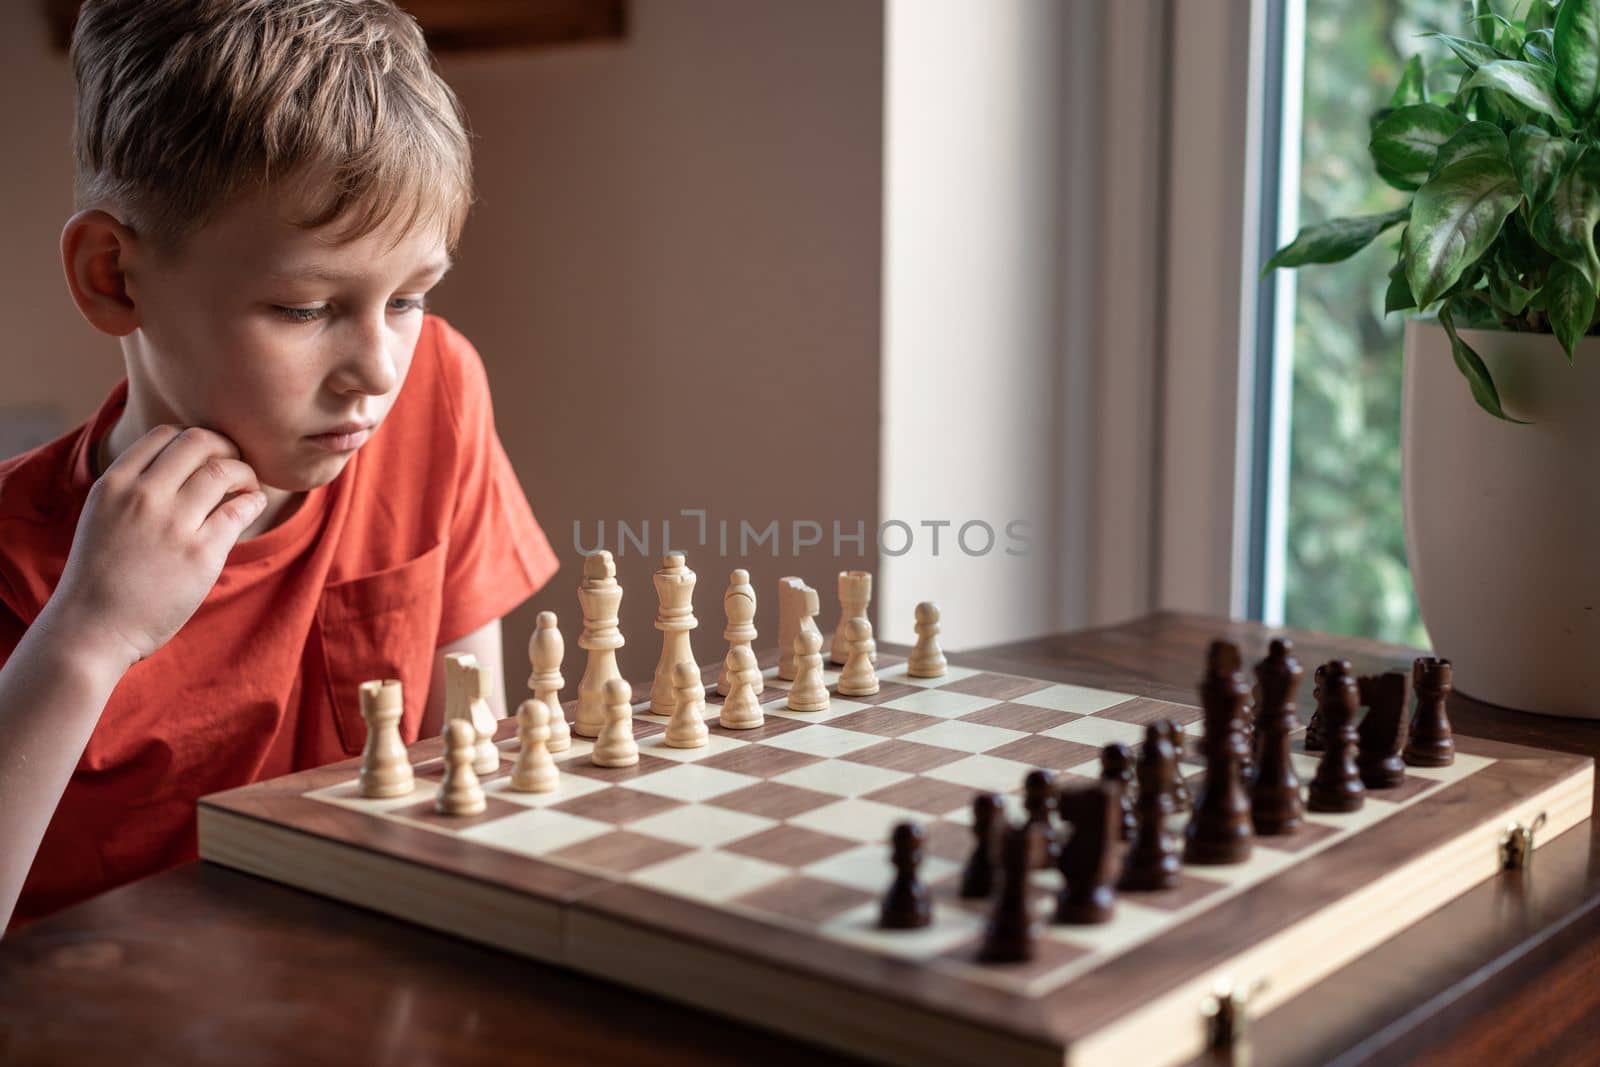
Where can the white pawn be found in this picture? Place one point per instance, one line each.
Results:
(859, 679)
(687, 727)
(742, 711)
(927, 660)
(545, 651)
(615, 747)
(810, 691)
(535, 769)
(385, 770)
(459, 793)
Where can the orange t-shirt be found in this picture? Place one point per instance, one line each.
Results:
(424, 537)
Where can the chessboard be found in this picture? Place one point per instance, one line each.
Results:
(745, 877)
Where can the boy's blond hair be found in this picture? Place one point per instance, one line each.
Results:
(182, 104)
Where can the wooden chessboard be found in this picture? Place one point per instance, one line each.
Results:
(744, 877)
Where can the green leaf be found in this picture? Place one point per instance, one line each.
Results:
(1541, 15)
(1564, 224)
(1569, 302)
(1413, 87)
(1398, 296)
(1406, 142)
(1471, 365)
(1473, 53)
(1454, 219)
(1331, 241)
(1531, 86)
(1473, 139)
(1577, 50)
(1538, 158)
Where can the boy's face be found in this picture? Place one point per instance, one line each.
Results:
(278, 338)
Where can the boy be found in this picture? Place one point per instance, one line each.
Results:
(297, 487)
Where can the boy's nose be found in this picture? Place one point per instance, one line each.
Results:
(368, 364)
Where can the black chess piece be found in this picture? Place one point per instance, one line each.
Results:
(1116, 765)
(1008, 938)
(1219, 831)
(1151, 862)
(1039, 801)
(1337, 784)
(1431, 743)
(1181, 800)
(977, 880)
(1275, 794)
(905, 905)
(1314, 734)
(1088, 861)
(1382, 734)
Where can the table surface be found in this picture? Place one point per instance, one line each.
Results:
(202, 964)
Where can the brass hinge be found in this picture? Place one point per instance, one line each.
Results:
(1516, 844)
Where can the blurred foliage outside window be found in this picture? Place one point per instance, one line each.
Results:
(1345, 565)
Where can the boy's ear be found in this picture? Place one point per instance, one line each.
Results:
(96, 252)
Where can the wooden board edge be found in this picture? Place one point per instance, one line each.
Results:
(811, 1008)
(1291, 961)
(500, 918)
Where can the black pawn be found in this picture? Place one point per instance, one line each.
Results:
(1337, 783)
(1275, 794)
(1089, 858)
(1116, 765)
(1039, 801)
(1219, 831)
(1314, 738)
(1431, 743)
(905, 906)
(1152, 859)
(1382, 734)
(1008, 938)
(977, 881)
(1181, 800)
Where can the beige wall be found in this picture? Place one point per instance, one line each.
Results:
(51, 358)
(672, 274)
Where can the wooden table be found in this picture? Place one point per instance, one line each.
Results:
(203, 965)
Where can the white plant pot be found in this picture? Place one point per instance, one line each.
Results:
(1503, 521)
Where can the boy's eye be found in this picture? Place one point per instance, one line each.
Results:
(311, 314)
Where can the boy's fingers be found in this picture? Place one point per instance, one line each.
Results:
(183, 455)
(140, 454)
(231, 517)
(213, 481)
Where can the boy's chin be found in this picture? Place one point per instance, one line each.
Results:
(303, 476)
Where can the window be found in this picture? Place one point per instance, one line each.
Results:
(1335, 555)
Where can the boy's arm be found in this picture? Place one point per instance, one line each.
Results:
(151, 541)
(484, 643)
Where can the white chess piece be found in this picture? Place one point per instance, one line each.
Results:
(741, 710)
(460, 793)
(615, 747)
(739, 605)
(467, 697)
(546, 648)
(855, 593)
(858, 678)
(687, 728)
(810, 691)
(535, 770)
(599, 598)
(385, 769)
(927, 660)
(797, 610)
(675, 619)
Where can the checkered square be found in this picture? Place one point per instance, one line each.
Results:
(773, 800)
(884, 722)
(822, 740)
(927, 795)
(711, 876)
(702, 826)
(760, 761)
(1024, 717)
(965, 736)
(842, 778)
(905, 756)
(807, 900)
(1078, 699)
(792, 846)
(620, 851)
(689, 782)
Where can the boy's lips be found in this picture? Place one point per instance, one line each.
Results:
(345, 438)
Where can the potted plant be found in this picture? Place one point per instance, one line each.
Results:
(1500, 424)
